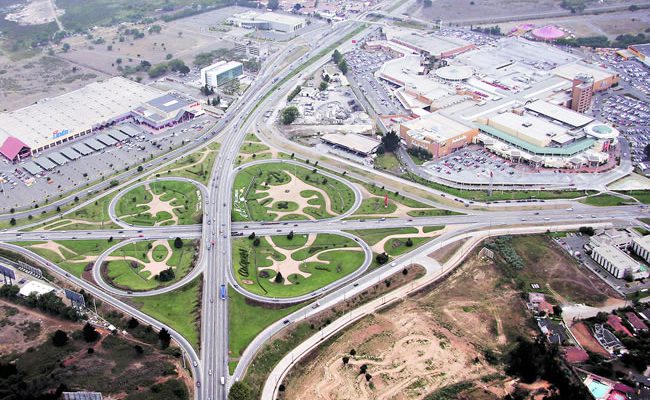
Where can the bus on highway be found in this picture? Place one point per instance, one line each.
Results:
(223, 292)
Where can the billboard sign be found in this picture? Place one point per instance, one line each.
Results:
(8, 272)
(59, 133)
(76, 298)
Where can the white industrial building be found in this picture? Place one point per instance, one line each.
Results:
(641, 247)
(221, 73)
(617, 263)
(35, 287)
(267, 21)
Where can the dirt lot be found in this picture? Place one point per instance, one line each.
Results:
(560, 275)
(434, 340)
(586, 339)
(22, 327)
(609, 24)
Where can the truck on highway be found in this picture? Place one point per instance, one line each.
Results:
(223, 292)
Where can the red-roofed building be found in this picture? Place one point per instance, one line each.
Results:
(545, 306)
(14, 149)
(615, 322)
(616, 395)
(635, 321)
(575, 355)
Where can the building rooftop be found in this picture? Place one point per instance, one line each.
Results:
(559, 113)
(352, 141)
(617, 257)
(74, 112)
(536, 128)
(281, 18)
(35, 287)
(643, 48)
(436, 127)
(635, 321)
(431, 44)
(569, 71)
(570, 150)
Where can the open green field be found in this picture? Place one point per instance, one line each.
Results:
(178, 309)
(197, 165)
(642, 195)
(252, 199)
(178, 204)
(481, 195)
(247, 319)
(387, 161)
(396, 246)
(73, 253)
(304, 266)
(253, 147)
(373, 236)
(130, 272)
(605, 200)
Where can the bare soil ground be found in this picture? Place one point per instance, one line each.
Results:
(586, 339)
(22, 327)
(431, 341)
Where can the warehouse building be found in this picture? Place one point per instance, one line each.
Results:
(267, 21)
(55, 121)
(603, 79)
(353, 143)
(427, 44)
(436, 133)
(617, 263)
(221, 73)
(641, 247)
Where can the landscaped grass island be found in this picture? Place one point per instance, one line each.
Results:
(160, 203)
(282, 191)
(149, 264)
(294, 265)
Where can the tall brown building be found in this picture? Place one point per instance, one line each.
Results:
(582, 92)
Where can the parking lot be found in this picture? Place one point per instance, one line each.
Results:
(363, 65)
(474, 164)
(22, 189)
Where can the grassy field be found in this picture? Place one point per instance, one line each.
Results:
(373, 236)
(561, 277)
(481, 195)
(134, 207)
(251, 204)
(179, 309)
(73, 251)
(331, 264)
(246, 320)
(387, 161)
(642, 195)
(190, 167)
(253, 147)
(122, 274)
(605, 200)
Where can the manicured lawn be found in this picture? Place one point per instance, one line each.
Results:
(642, 195)
(251, 148)
(134, 206)
(179, 309)
(376, 205)
(246, 320)
(481, 195)
(199, 172)
(80, 249)
(251, 137)
(121, 273)
(387, 161)
(336, 257)
(251, 204)
(397, 246)
(605, 200)
(373, 236)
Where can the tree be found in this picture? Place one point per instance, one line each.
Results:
(138, 349)
(557, 310)
(256, 242)
(215, 102)
(363, 368)
(368, 377)
(289, 114)
(586, 230)
(240, 391)
(381, 259)
(178, 243)
(133, 323)
(12, 221)
(290, 235)
(390, 141)
(251, 236)
(323, 86)
(165, 338)
(346, 359)
(60, 338)
(110, 239)
(343, 66)
(353, 352)
(409, 242)
(278, 278)
(273, 4)
(89, 332)
(336, 56)
(66, 47)
(166, 275)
